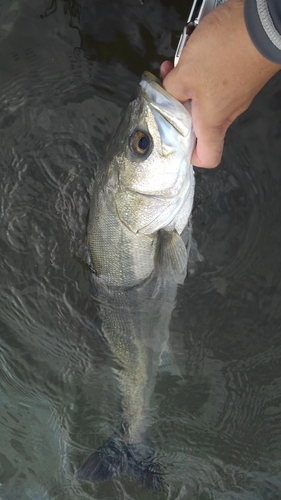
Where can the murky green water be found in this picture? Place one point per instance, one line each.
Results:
(65, 79)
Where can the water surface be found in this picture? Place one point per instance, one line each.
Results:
(66, 76)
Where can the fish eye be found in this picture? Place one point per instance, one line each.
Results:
(140, 142)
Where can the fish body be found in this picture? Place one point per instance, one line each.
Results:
(138, 238)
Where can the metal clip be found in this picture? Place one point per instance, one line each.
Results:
(187, 30)
(199, 9)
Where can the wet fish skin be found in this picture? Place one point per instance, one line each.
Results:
(135, 324)
(137, 195)
(141, 205)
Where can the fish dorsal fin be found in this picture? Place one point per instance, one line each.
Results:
(171, 256)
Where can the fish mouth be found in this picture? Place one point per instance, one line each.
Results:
(177, 114)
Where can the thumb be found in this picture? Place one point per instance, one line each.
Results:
(210, 140)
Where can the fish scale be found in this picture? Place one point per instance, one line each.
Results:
(141, 204)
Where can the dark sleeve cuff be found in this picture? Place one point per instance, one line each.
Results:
(263, 22)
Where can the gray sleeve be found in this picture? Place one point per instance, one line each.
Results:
(263, 22)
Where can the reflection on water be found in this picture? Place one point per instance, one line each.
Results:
(218, 427)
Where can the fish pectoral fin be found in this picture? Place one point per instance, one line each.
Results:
(171, 256)
(194, 256)
(82, 255)
(167, 362)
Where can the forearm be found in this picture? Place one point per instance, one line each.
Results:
(263, 22)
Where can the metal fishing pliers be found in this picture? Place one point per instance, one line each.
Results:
(199, 9)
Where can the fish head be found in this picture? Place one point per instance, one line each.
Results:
(151, 159)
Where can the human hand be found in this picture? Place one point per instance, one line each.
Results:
(221, 71)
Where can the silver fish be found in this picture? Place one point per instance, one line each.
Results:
(139, 238)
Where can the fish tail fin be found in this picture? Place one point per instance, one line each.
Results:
(106, 462)
(143, 466)
(115, 458)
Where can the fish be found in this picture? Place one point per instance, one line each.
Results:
(139, 238)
